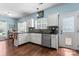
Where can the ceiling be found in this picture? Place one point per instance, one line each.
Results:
(21, 9)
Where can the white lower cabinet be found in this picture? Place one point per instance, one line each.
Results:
(22, 38)
(30, 37)
(54, 41)
(35, 38)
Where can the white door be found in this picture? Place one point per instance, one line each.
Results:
(77, 31)
(67, 30)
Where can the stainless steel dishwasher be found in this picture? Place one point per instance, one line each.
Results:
(46, 40)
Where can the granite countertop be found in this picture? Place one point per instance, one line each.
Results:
(42, 31)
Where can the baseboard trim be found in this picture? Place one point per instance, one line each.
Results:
(36, 44)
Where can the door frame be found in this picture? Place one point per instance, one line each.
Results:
(75, 13)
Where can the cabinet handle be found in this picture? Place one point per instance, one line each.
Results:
(61, 31)
(78, 31)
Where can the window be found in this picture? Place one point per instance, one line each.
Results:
(21, 27)
(68, 24)
(3, 28)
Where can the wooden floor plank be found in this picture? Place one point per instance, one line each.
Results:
(29, 49)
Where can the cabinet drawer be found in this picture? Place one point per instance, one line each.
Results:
(54, 36)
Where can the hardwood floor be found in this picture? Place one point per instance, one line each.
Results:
(7, 49)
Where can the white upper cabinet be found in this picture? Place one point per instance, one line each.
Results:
(30, 22)
(52, 20)
(41, 23)
(22, 26)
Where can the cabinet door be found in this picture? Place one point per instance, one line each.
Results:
(36, 38)
(22, 38)
(53, 20)
(30, 22)
(32, 37)
(54, 41)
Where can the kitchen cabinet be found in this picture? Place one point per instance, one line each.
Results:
(22, 27)
(35, 38)
(30, 23)
(23, 38)
(54, 41)
(52, 20)
(41, 23)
